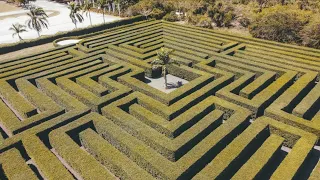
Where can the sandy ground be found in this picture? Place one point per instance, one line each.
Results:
(26, 51)
(5, 7)
(58, 21)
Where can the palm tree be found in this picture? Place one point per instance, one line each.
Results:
(101, 4)
(162, 62)
(38, 19)
(118, 6)
(18, 28)
(74, 15)
(87, 6)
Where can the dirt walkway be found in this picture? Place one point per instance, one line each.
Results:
(26, 51)
(6, 7)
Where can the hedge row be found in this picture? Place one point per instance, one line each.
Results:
(280, 62)
(247, 157)
(290, 101)
(191, 122)
(100, 40)
(198, 79)
(281, 47)
(117, 163)
(47, 162)
(79, 160)
(14, 166)
(86, 94)
(121, 34)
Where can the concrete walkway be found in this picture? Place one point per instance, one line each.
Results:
(58, 21)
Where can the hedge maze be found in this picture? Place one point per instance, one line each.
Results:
(84, 111)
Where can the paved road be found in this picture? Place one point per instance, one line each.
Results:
(59, 21)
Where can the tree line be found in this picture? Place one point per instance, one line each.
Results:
(287, 21)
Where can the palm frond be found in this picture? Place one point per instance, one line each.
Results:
(157, 66)
(157, 62)
(173, 61)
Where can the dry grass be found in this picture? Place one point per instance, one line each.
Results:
(26, 51)
(6, 7)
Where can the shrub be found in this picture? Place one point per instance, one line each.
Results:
(157, 13)
(199, 20)
(310, 34)
(171, 17)
(204, 21)
(132, 11)
(308, 4)
(280, 23)
(244, 21)
(221, 14)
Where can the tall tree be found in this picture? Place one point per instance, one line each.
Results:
(221, 14)
(74, 15)
(162, 62)
(145, 8)
(119, 6)
(87, 6)
(101, 6)
(37, 19)
(17, 29)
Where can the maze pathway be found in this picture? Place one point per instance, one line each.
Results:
(251, 109)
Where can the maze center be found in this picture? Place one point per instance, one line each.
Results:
(172, 84)
(248, 108)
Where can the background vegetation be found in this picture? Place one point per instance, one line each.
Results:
(287, 21)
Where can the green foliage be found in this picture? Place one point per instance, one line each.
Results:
(17, 29)
(311, 33)
(221, 14)
(157, 13)
(101, 7)
(74, 14)
(87, 6)
(313, 5)
(163, 61)
(199, 20)
(147, 8)
(171, 17)
(280, 23)
(37, 19)
(244, 21)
